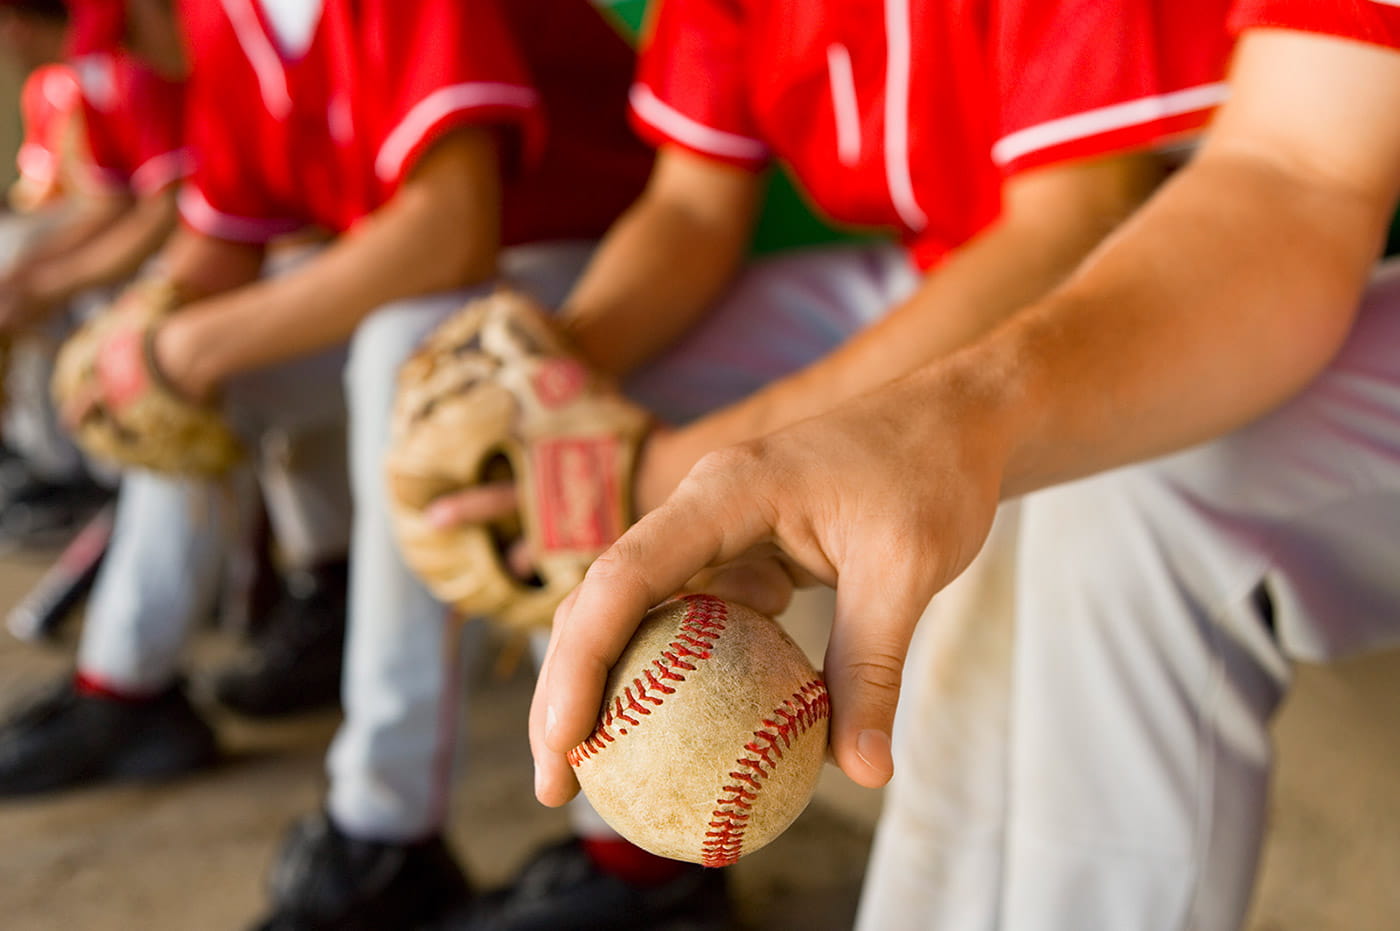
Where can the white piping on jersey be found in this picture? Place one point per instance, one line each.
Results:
(698, 136)
(1104, 119)
(843, 101)
(1387, 2)
(441, 103)
(897, 70)
(257, 48)
(200, 215)
(158, 171)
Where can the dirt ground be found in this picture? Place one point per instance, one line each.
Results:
(190, 856)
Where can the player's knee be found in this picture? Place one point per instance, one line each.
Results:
(377, 351)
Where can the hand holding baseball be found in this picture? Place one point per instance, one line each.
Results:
(885, 513)
(711, 735)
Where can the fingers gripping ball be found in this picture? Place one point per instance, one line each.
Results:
(496, 380)
(134, 418)
(712, 734)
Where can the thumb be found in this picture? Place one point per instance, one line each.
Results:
(875, 619)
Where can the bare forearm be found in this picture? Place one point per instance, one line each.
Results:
(1031, 250)
(1146, 350)
(111, 256)
(664, 262)
(321, 304)
(655, 275)
(89, 220)
(441, 231)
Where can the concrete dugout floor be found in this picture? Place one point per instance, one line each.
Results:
(191, 856)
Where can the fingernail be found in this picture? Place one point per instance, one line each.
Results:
(551, 721)
(873, 748)
(438, 516)
(539, 781)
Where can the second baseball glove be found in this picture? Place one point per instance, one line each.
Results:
(134, 418)
(495, 381)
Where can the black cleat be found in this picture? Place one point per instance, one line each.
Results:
(294, 662)
(38, 513)
(562, 890)
(65, 739)
(324, 880)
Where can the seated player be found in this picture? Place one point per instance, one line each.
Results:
(445, 144)
(106, 155)
(1000, 156)
(1161, 603)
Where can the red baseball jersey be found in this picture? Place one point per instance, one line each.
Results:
(48, 100)
(314, 113)
(1373, 21)
(134, 122)
(909, 114)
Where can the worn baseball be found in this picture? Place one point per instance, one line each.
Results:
(712, 733)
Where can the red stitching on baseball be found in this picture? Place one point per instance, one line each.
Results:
(725, 843)
(695, 640)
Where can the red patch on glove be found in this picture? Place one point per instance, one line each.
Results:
(576, 485)
(559, 381)
(121, 368)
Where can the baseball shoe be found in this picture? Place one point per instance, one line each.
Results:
(294, 661)
(325, 880)
(66, 738)
(36, 512)
(562, 890)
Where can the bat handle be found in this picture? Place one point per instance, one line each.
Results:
(40, 613)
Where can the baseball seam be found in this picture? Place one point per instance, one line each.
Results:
(724, 842)
(695, 640)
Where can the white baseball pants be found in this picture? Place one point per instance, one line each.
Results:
(171, 536)
(1157, 610)
(391, 761)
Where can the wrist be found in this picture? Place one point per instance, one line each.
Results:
(658, 470)
(181, 360)
(980, 406)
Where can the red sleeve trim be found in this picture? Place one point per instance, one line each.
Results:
(659, 122)
(161, 171)
(1105, 129)
(445, 109)
(201, 216)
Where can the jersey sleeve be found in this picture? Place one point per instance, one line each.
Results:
(691, 89)
(218, 200)
(1093, 77)
(49, 100)
(447, 64)
(134, 122)
(1373, 21)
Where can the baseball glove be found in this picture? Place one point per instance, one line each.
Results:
(494, 381)
(135, 418)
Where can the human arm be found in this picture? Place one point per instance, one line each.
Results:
(109, 254)
(664, 261)
(439, 231)
(1218, 301)
(1052, 217)
(668, 259)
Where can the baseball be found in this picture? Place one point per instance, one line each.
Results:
(712, 733)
